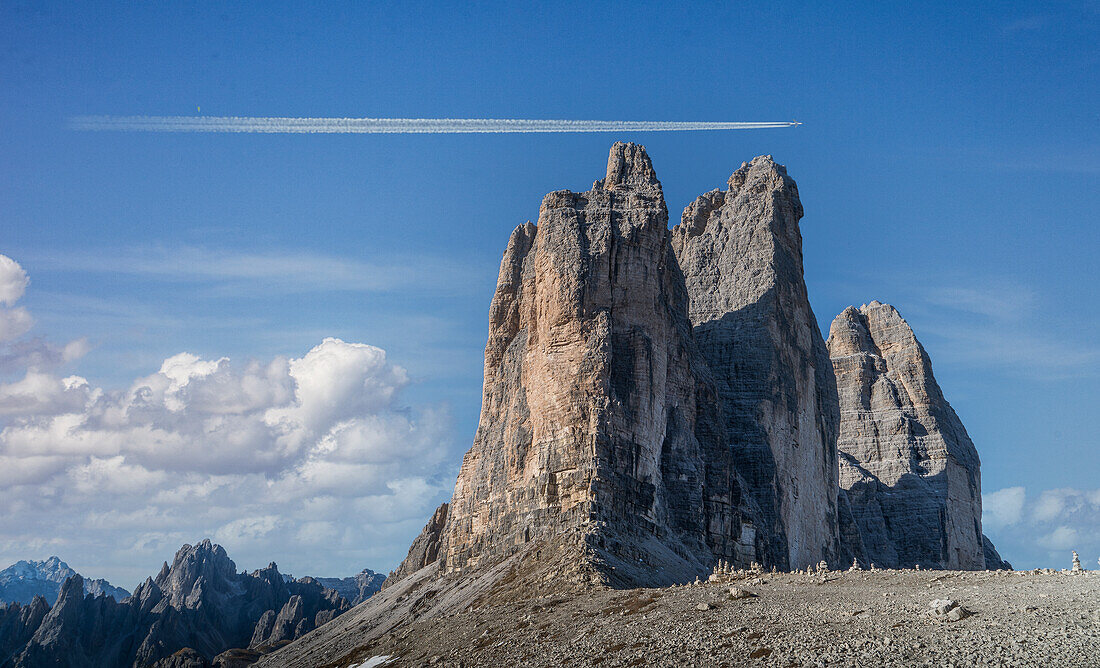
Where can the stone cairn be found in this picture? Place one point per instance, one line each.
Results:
(855, 566)
(725, 572)
(721, 572)
(1076, 568)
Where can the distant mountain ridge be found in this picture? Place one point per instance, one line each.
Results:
(199, 608)
(23, 580)
(356, 588)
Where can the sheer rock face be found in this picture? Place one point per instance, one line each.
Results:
(909, 468)
(425, 547)
(740, 251)
(591, 430)
(993, 561)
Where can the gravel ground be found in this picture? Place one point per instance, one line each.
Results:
(862, 618)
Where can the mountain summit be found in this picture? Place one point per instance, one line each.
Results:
(23, 580)
(910, 470)
(591, 436)
(656, 402)
(200, 603)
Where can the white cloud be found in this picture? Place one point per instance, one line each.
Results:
(1004, 507)
(1040, 530)
(14, 323)
(16, 353)
(1062, 538)
(43, 394)
(246, 529)
(13, 281)
(285, 458)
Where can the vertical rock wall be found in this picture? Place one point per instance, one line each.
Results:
(589, 414)
(909, 468)
(740, 251)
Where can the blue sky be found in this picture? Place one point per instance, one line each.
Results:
(948, 164)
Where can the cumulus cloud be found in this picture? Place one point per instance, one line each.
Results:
(1039, 530)
(312, 460)
(16, 352)
(1004, 507)
(13, 281)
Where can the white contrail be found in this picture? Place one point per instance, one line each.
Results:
(394, 125)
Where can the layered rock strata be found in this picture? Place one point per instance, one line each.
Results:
(598, 423)
(740, 251)
(909, 469)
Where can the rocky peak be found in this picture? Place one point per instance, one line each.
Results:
(425, 547)
(740, 251)
(759, 189)
(628, 166)
(910, 471)
(588, 435)
(198, 571)
(200, 602)
(24, 580)
(148, 594)
(72, 592)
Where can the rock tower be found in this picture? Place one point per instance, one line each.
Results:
(909, 468)
(740, 251)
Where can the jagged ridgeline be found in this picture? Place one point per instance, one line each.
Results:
(658, 401)
(196, 610)
(654, 401)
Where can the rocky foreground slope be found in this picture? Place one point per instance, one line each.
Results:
(857, 619)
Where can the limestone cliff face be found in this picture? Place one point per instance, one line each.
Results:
(909, 468)
(597, 420)
(740, 251)
(424, 550)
